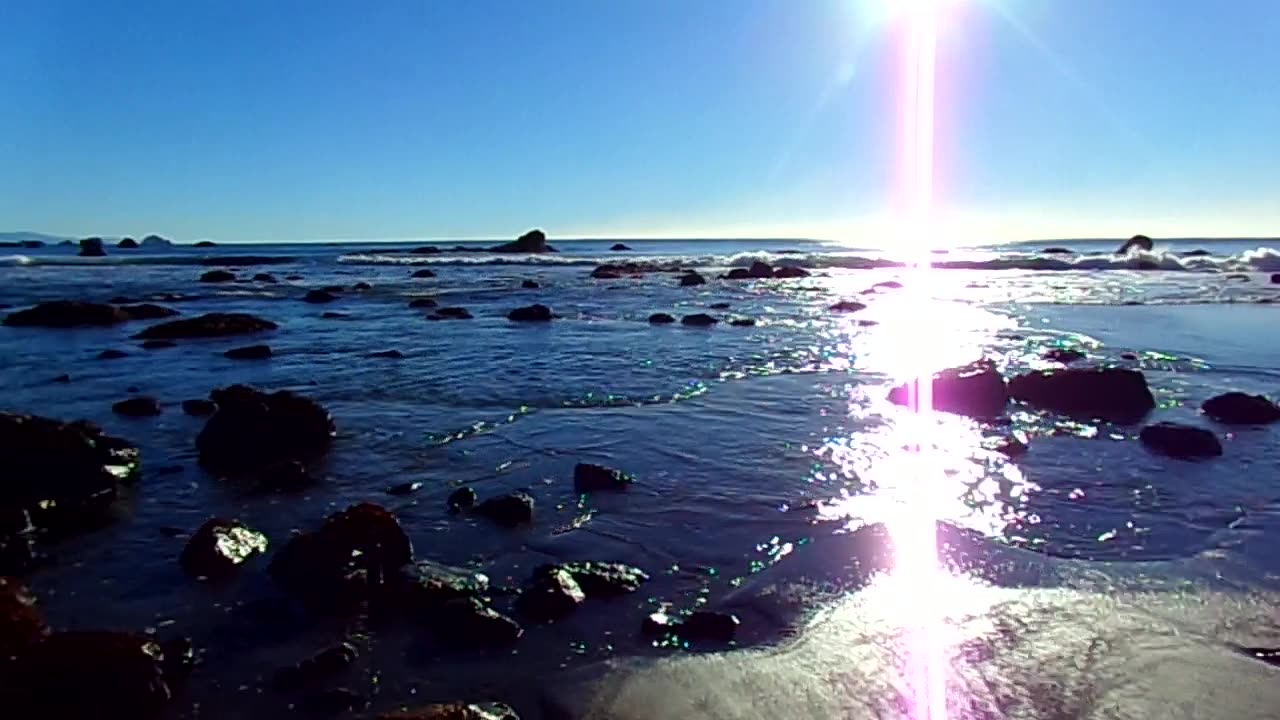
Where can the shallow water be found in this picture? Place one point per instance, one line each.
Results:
(731, 431)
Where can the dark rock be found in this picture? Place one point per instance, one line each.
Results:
(1180, 441)
(292, 278)
(158, 344)
(1058, 251)
(705, 625)
(217, 276)
(361, 286)
(207, 326)
(451, 313)
(534, 241)
(698, 320)
(127, 244)
(92, 247)
(178, 658)
(219, 547)
(977, 390)
(112, 674)
(155, 242)
(599, 579)
(1141, 242)
(887, 285)
(426, 586)
(137, 407)
(330, 315)
(532, 313)
(1275, 278)
(422, 302)
(1128, 356)
(205, 244)
(737, 274)
(692, 279)
(388, 354)
(112, 354)
(317, 669)
(133, 389)
(619, 247)
(1066, 356)
(67, 314)
(462, 499)
(1198, 252)
(319, 296)
(508, 510)
(252, 429)
(354, 557)
(1237, 408)
(790, 272)
(530, 284)
(426, 250)
(146, 311)
(593, 478)
(720, 306)
(423, 273)
(1237, 276)
(284, 476)
(63, 378)
(470, 623)
(265, 278)
(602, 273)
(848, 306)
(660, 319)
(454, 711)
(120, 300)
(332, 701)
(22, 625)
(742, 322)
(1112, 394)
(199, 407)
(249, 352)
(553, 595)
(406, 488)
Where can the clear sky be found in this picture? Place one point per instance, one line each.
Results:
(244, 120)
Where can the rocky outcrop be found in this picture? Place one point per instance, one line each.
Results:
(534, 241)
(619, 247)
(532, 313)
(691, 279)
(217, 276)
(1137, 242)
(207, 326)
(508, 510)
(249, 352)
(127, 244)
(661, 319)
(155, 242)
(137, 407)
(317, 297)
(1237, 408)
(1112, 394)
(220, 547)
(1180, 441)
(205, 244)
(976, 390)
(92, 247)
(252, 429)
(588, 477)
(67, 314)
(698, 320)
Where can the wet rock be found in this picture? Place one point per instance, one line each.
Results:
(599, 579)
(112, 354)
(317, 669)
(426, 586)
(22, 625)
(1128, 356)
(1237, 276)
(976, 390)
(127, 244)
(207, 326)
(67, 314)
(705, 625)
(89, 674)
(691, 279)
(63, 378)
(330, 315)
(387, 354)
(285, 476)
(1010, 446)
(887, 285)
(698, 320)
(249, 352)
(219, 547)
(422, 302)
(1275, 278)
(1138, 242)
(199, 407)
(1180, 441)
(317, 297)
(588, 477)
(361, 286)
(1112, 394)
(137, 407)
(92, 247)
(178, 659)
(737, 274)
(532, 313)
(355, 556)
(604, 272)
(265, 278)
(462, 499)
(1237, 408)
(406, 488)
(553, 595)
(252, 429)
(1057, 251)
(529, 284)
(1066, 356)
(660, 319)
(423, 273)
(658, 624)
(470, 623)
(217, 276)
(742, 322)
(790, 272)
(534, 241)
(293, 278)
(760, 270)
(451, 313)
(454, 711)
(848, 306)
(619, 247)
(720, 306)
(18, 552)
(332, 701)
(508, 510)
(146, 311)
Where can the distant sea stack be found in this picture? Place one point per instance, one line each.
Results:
(205, 244)
(153, 242)
(127, 244)
(534, 241)
(92, 247)
(1141, 242)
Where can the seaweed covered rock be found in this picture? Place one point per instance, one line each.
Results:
(208, 325)
(977, 390)
(1108, 393)
(252, 429)
(219, 547)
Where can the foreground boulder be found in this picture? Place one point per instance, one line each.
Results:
(454, 711)
(1112, 394)
(252, 429)
(1237, 408)
(219, 547)
(67, 314)
(592, 478)
(977, 390)
(532, 313)
(207, 326)
(21, 623)
(92, 247)
(1180, 441)
(217, 276)
(354, 557)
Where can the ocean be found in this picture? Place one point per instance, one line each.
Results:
(757, 452)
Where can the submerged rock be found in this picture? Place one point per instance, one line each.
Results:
(252, 429)
(619, 247)
(450, 313)
(426, 250)
(265, 278)
(387, 354)
(219, 547)
(1112, 394)
(534, 241)
(317, 297)
(599, 579)
(1237, 408)
(1180, 441)
(1140, 242)
(790, 272)
(470, 623)
(1057, 251)
(588, 477)
(848, 306)
(508, 510)
(112, 354)
(90, 674)
(1065, 356)
(532, 313)
(691, 279)
(283, 476)
(737, 274)
(67, 314)
(976, 390)
(199, 407)
(1275, 278)
(423, 273)
(317, 669)
(331, 315)
(217, 276)
(529, 284)
(462, 499)
(207, 326)
(422, 302)
(742, 322)
(660, 319)
(92, 247)
(249, 352)
(146, 311)
(454, 711)
(698, 320)
(720, 306)
(137, 407)
(553, 595)
(362, 286)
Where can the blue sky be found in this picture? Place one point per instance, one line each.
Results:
(245, 121)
